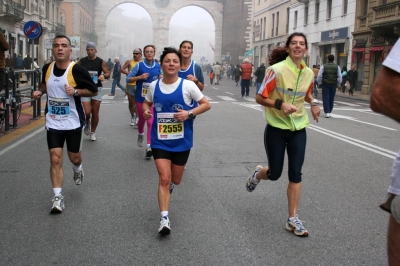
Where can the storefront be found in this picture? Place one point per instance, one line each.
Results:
(358, 58)
(334, 42)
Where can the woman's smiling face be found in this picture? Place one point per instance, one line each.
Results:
(297, 47)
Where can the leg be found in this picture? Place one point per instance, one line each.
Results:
(95, 114)
(248, 87)
(114, 83)
(149, 126)
(141, 118)
(242, 88)
(131, 99)
(120, 86)
(332, 92)
(325, 98)
(87, 106)
(56, 171)
(393, 242)
(164, 179)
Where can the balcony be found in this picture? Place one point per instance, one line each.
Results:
(59, 28)
(386, 17)
(11, 10)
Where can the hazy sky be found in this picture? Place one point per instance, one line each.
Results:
(190, 14)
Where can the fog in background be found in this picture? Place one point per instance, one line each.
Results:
(129, 26)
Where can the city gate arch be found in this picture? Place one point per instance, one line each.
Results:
(161, 12)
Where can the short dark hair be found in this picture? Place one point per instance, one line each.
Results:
(331, 57)
(289, 39)
(191, 43)
(170, 50)
(63, 36)
(150, 45)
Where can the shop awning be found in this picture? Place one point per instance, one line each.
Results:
(357, 50)
(249, 53)
(376, 49)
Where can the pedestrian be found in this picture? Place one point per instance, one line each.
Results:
(109, 64)
(131, 87)
(287, 120)
(246, 69)
(217, 72)
(19, 64)
(352, 76)
(4, 46)
(229, 71)
(143, 74)
(315, 89)
(189, 68)
(64, 82)
(9, 63)
(260, 74)
(99, 72)
(172, 133)
(330, 76)
(344, 79)
(116, 77)
(211, 76)
(385, 99)
(236, 73)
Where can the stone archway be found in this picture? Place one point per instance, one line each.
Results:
(161, 17)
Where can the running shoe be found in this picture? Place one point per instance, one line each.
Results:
(93, 136)
(58, 204)
(165, 226)
(140, 140)
(296, 226)
(149, 152)
(78, 177)
(87, 128)
(171, 187)
(133, 121)
(252, 182)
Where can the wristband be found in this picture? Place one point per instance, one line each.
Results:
(278, 104)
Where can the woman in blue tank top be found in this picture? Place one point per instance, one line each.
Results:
(172, 132)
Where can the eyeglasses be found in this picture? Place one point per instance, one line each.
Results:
(136, 53)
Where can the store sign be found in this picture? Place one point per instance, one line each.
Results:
(360, 42)
(341, 33)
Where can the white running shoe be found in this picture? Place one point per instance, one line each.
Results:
(93, 136)
(140, 140)
(165, 226)
(78, 177)
(133, 121)
(58, 204)
(296, 226)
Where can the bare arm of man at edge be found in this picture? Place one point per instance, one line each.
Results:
(125, 66)
(106, 72)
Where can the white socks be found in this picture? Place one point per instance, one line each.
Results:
(164, 213)
(57, 191)
(77, 169)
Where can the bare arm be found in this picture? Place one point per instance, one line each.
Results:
(385, 96)
(125, 66)
(106, 72)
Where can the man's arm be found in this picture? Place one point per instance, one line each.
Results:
(319, 76)
(385, 96)
(339, 76)
(125, 66)
(106, 72)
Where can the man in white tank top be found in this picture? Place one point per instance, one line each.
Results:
(64, 82)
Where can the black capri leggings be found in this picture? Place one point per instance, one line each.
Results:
(276, 141)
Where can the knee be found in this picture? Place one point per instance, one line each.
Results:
(295, 177)
(56, 160)
(273, 176)
(164, 180)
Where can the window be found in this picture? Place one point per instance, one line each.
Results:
(295, 19)
(364, 8)
(47, 9)
(261, 28)
(273, 25)
(265, 20)
(277, 23)
(384, 2)
(345, 3)
(287, 19)
(306, 15)
(316, 11)
(329, 9)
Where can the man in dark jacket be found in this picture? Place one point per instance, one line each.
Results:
(19, 64)
(28, 64)
(352, 76)
(116, 75)
(260, 74)
(236, 74)
(330, 77)
(246, 68)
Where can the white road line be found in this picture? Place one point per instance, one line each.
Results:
(363, 103)
(21, 141)
(208, 98)
(229, 93)
(227, 98)
(349, 104)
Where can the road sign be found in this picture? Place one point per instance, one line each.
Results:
(32, 29)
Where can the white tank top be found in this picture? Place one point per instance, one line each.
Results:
(61, 107)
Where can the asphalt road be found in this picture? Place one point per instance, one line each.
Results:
(113, 217)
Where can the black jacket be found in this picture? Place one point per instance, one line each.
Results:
(260, 74)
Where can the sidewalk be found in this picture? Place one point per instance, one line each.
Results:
(357, 95)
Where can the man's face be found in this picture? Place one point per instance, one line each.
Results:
(91, 52)
(61, 49)
(137, 56)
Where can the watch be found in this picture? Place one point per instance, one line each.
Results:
(191, 115)
(76, 92)
(315, 102)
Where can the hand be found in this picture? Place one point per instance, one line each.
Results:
(147, 114)
(181, 115)
(315, 111)
(144, 76)
(69, 89)
(37, 94)
(191, 77)
(288, 108)
(101, 77)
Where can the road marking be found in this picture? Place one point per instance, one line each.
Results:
(227, 98)
(3, 139)
(355, 142)
(230, 93)
(208, 98)
(349, 104)
(363, 103)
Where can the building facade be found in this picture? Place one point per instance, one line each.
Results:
(377, 28)
(270, 28)
(15, 13)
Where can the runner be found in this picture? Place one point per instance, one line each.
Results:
(64, 82)
(190, 70)
(99, 72)
(287, 84)
(131, 87)
(172, 134)
(143, 74)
